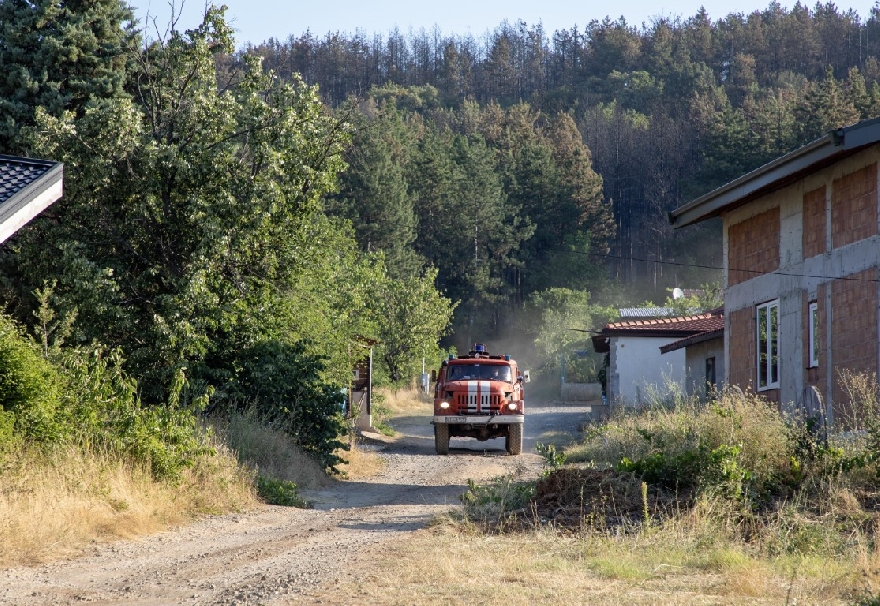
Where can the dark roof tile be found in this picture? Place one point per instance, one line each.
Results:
(17, 173)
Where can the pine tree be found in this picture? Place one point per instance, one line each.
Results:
(825, 108)
(375, 194)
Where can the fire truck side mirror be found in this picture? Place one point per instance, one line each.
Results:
(525, 376)
(433, 376)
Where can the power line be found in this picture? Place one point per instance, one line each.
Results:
(715, 267)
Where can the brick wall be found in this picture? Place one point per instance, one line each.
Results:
(742, 348)
(816, 375)
(854, 206)
(814, 223)
(853, 329)
(753, 246)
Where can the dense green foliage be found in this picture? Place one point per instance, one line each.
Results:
(181, 223)
(83, 397)
(667, 109)
(285, 383)
(190, 240)
(414, 314)
(30, 388)
(502, 203)
(59, 56)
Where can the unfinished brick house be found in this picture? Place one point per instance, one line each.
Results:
(801, 258)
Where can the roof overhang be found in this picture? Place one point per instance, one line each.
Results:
(602, 341)
(693, 340)
(779, 173)
(32, 199)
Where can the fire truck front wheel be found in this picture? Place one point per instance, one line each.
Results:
(441, 438)
(514, 440)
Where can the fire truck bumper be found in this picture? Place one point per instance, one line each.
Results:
(477, 419)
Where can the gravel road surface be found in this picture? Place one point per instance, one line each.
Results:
(281, 555)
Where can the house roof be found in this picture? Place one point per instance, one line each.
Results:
(682, 326)
(700, 337)
(645, 312)
(27, 187)
(779, 173)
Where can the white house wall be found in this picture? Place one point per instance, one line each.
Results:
(637, 368)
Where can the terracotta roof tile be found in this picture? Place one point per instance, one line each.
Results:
(696, 323)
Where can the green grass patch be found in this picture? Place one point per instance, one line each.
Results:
(280, 492)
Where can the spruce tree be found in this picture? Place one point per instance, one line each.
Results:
(59, 56)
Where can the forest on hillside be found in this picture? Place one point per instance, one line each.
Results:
(263, 212)
(575, 142)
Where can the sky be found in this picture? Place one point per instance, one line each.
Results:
(257, 20)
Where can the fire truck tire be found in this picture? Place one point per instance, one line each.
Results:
(514, 441)
(441, 439)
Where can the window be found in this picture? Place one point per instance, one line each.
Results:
(814, 334)
(468, 372)
(768, 345)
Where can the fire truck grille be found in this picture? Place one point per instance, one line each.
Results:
(473, 404)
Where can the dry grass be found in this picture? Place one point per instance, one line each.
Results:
(451, 565)
(406, 401)
(269, 451)
(51, 507)
(360, 463)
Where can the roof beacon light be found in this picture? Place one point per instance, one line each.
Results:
(507, 358)
(451, 357)
(479, 348)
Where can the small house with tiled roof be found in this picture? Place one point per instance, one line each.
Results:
(27, 187)
(801, 250)
(635, 365)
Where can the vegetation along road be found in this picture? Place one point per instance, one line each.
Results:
(276, 555)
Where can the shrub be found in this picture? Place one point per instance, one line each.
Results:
(285, 384)
(30, 389)
(107, 413)
(280, 492)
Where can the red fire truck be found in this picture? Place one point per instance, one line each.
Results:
(479, 396)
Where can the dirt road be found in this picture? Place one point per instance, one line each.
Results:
(279, 555)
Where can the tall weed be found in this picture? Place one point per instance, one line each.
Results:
(106, 413)
(738, 445)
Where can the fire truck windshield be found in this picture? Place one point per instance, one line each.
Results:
(484, 372)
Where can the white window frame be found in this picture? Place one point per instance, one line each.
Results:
(812, 319)
(770, 364)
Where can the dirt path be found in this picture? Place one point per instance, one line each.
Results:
(278, 555)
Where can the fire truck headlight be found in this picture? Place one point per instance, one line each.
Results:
(444, 404)
(512, 406)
